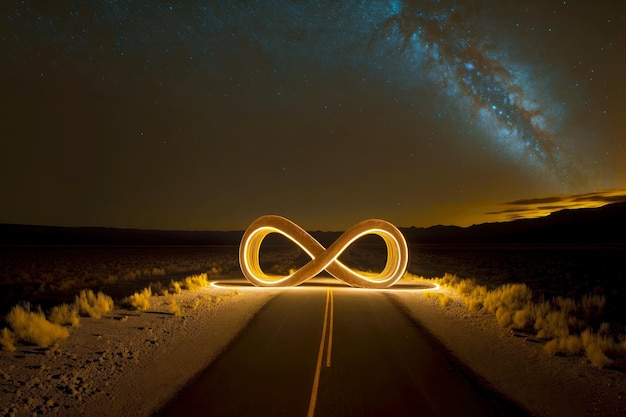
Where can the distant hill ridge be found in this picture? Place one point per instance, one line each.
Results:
(605, 224)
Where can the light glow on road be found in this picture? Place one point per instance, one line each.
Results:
(322, 258)
(404, 285)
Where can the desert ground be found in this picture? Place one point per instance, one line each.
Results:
(135, 358)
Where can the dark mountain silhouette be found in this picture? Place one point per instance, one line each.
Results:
(12, 234)
(606, 224)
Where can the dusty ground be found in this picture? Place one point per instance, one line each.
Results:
(127, 363)
(130, 363)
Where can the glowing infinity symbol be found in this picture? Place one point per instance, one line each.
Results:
(321, 258)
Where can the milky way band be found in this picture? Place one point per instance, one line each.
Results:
(322, 258)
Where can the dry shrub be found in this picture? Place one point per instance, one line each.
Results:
(175, 287)
(552, 324)
(504, 317)
(472, 294)
(506, 300)
(604, 330)
(110, 279)
(596, 355)
(448, 280)
(430, 294)
(65, 314)
(33, 327)
(466, 286)
(157, 272)
(7, 340)
(570, 344)
(476, 298)
(560, 320)
(523, 318)
(130, 276)
(596, 346)
(445, 300)
(65, 285)
(474, 304)
(94, 305)
(593, 306)
(140, 300)
(539, 311)
(511, 297)
(568, 305)
(174, 309)
(196, 282)
(158, 289)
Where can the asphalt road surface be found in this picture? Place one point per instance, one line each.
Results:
(335, 352)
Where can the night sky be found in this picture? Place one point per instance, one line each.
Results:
(200, 115)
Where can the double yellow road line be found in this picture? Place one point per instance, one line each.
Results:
(327, 333)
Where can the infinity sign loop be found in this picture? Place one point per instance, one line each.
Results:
(321, 258)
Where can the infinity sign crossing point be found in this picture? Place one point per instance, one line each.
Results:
(322, 258)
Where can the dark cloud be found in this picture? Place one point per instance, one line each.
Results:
(512, 210)
(536, 201)
(538, 207)
(600, 197)
(554, 208)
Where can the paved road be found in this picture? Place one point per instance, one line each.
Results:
(335, 352)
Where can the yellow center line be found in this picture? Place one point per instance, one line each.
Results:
(330, 330)
(328, 313)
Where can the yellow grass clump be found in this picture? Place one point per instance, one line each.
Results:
(521, 318)
(506, 300)
(430, 294)
(33, 327)
(140, 300)
(158, 289)
(196, 282)
(7, 340)
(565, 323)
(593, 306)
(511, 303)
(569, 344)
(174, 308)
(191, 283)
(596, 347)
(175, 287)
(444, 299)
(157, 272)
(551, 323)
(65, 314)
(94, 305)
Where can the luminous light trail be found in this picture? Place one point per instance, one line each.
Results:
(321, 258)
